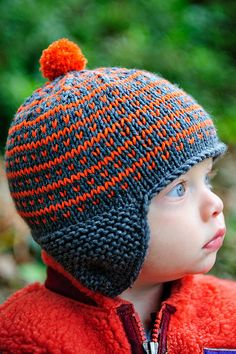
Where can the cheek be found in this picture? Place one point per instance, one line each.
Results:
(162, 227)
(165, 222)
(170, 233)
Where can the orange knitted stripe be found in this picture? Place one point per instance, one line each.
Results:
(87, 144)
(90, 119)
(121, 175)
(42, 94)
(65, 107)
(65, 89)
(79, 175)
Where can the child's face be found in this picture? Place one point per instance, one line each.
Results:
(183, 218)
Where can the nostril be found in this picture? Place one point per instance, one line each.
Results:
(219, 206)
(216, 213)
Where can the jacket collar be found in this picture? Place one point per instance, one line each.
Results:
(61, 282)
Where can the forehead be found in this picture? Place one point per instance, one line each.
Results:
(201, 166)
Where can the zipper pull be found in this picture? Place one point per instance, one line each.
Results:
(150, 347)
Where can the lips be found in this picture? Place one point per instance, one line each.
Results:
(216, 242)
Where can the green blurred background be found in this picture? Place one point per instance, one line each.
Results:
(191, 43)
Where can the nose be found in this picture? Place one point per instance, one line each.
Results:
(211, 206)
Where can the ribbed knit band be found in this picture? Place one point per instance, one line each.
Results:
(85, 154)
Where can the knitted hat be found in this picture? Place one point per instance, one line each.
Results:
(86, 153)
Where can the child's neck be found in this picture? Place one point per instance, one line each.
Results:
(146, 300)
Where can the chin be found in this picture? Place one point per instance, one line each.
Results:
(207, 265)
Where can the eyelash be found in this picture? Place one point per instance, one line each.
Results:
(208, 178)
(175, 189)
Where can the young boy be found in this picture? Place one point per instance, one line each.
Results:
(111, 170)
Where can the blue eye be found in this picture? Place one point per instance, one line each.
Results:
(177, 191)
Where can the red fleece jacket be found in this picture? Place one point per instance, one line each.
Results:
(62, 316)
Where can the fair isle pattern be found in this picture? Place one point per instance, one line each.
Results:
(86, 152)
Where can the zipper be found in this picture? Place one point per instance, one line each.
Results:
(167, 311)
(136, 334)
(150, 347)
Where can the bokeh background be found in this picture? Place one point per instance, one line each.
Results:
(191, 43)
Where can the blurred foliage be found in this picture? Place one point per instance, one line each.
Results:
(225, 186)
(225, 266)
(20, 261)
(190, 42)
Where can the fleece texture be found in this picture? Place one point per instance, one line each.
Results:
(37, 320)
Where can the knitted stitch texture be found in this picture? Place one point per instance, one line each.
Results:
(86, 153)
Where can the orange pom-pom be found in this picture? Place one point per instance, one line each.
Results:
(61, 57)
